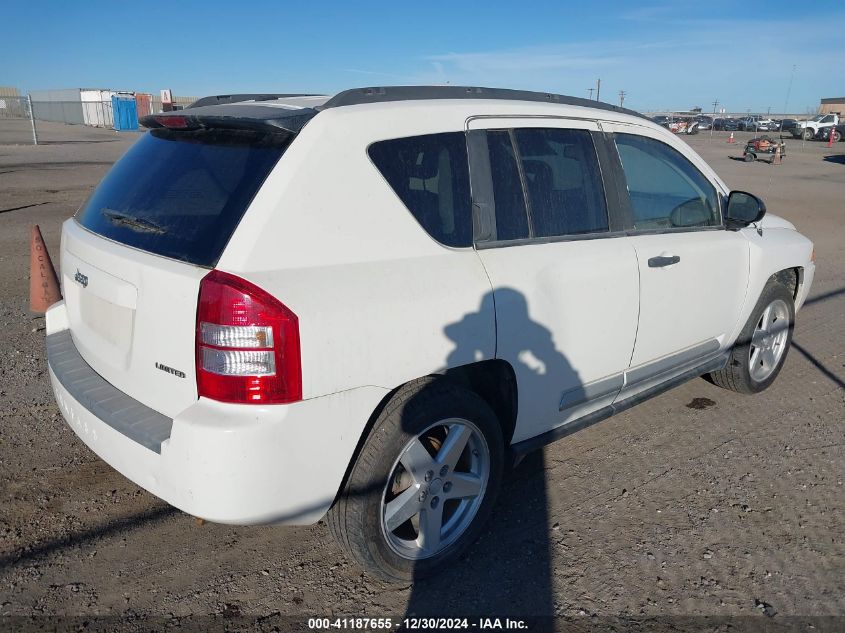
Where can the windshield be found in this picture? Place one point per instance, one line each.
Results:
(181, 194)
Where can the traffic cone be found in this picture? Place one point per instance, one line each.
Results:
(731, 139)
(43, 283)
(830, 138)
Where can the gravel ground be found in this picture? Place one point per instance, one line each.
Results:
(698, 503)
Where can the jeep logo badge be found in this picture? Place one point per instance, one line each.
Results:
(81, 279)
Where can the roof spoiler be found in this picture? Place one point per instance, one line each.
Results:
(237, 98)
(185, 120)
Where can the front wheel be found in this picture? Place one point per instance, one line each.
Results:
(761, 348)
(423, 484)
(837, 136)
(809, 133)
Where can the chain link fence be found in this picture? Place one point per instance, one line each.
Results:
(93, 113)
(26, 120)
(14, 107)
(17, 123)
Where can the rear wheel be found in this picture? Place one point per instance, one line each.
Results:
(424, 483)
(837, 136)
(760, 350)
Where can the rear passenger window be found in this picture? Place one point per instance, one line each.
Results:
(666, 190)
(511, 216)
(563, 181)
(430, 174)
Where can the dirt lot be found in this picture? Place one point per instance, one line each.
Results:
(698, 503)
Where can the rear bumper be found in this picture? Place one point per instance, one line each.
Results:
(238, 464)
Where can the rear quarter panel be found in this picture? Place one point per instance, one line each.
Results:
(379, 302)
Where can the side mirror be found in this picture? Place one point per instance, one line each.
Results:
(743, 209)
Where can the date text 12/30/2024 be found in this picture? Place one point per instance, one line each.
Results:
(416, 624)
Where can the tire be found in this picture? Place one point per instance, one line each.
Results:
(808, 134)
(750, 369)
(694, 130)
(422, 415)
(837, 136)
(749, 157)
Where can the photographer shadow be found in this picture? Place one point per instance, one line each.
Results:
(508, 571)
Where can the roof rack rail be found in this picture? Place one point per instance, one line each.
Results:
(237, 98)
(382, 94)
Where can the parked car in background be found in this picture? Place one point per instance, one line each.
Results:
(808, 129)
(726, 124)
(824, 133)
(704, 122)
(756, 123)
(680, 124)
(784, 125)
(359, 307)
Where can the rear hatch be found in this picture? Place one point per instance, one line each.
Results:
(133, 256)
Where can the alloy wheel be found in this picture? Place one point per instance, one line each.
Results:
(435, 488)
(768, 342)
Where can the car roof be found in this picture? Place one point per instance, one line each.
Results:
(383, 94)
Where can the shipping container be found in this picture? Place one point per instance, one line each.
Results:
(96, 107)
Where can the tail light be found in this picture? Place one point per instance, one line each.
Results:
(247, 344)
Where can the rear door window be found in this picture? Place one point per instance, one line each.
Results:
(511, 213)
(563, 180)
(430, 174)
(181, 194)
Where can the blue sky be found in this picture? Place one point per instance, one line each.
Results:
(673, 55)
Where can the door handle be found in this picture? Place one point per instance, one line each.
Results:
(660, 262)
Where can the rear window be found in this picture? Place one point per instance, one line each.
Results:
(430, 174)
(180, 194)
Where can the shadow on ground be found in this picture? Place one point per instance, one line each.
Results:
(507, 572)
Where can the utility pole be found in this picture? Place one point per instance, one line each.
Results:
(621, 97)
(591, 93)
(715, 105)
(598, 90)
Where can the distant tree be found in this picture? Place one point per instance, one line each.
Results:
(696, 109)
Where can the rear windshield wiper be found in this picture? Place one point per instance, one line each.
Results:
(136, 224)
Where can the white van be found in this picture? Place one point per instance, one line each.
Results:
(278, 307)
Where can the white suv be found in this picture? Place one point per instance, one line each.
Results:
(279, 307)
